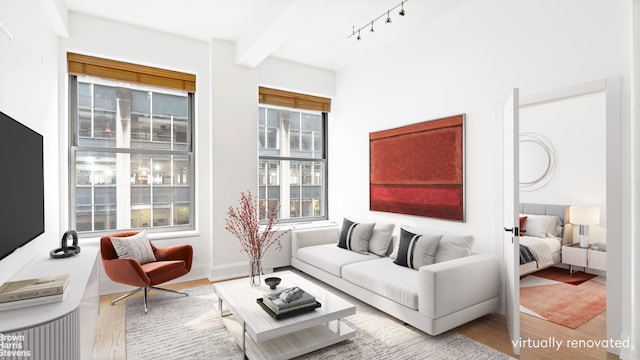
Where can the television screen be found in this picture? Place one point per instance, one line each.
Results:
(21, 185)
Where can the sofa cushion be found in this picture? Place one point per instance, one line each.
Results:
(453, 246)
(386, 279)
(331, 258)
(381, 238)
(416, 250)
(355, 236)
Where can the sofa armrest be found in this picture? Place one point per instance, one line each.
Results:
(314, 236)
(450, 286)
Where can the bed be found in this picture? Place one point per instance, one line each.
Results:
(544, 229)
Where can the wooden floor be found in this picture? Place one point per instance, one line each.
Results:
(490, 330)
(110, 339)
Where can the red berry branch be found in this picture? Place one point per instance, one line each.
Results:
(243, 223)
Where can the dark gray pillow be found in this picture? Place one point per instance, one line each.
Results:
(355, 236)
(415, 250)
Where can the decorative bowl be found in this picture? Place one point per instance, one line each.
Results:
(272, 282)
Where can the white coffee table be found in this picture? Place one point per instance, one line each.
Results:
(263, 337)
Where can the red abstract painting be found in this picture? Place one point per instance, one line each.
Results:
(419, 169)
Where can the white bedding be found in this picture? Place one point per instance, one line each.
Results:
(543, 249)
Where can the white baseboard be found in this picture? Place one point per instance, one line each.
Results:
(232, 271)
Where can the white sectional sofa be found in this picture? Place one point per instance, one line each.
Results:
(434, 298)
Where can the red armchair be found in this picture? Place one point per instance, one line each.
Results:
(171, 262)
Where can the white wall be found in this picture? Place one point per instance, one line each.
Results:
(466, 62)
(28, 93)
(576, 129)
(234, 136)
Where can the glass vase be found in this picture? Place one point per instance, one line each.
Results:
(255, 271)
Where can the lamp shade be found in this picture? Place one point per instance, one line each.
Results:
(584, 215)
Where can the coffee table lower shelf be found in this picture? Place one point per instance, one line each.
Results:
(291, 345)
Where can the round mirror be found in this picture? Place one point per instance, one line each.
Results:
(537, 161)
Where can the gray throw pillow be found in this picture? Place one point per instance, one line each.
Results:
(355, 236)
(453, 247)
(381, 238)
(136, 247)
(415, 250)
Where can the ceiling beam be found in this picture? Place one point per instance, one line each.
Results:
(278, 22)
(58, 15)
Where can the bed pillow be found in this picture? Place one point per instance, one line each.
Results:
(136, 247)
(355, 236)
(542, 225)
(381, 238)
(416, 250)
(523, 222)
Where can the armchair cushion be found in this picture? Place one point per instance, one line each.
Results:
(158, 269)
(136, 247)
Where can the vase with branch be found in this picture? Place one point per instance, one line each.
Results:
(244, 223)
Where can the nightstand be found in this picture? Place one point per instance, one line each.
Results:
(574, 255)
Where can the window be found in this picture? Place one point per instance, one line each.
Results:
(131, 155)
(292, 162)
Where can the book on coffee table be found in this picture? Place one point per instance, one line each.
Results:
(284, 303)
(288, 299)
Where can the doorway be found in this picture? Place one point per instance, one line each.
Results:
(607, 93)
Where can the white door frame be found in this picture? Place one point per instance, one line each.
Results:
(631, 323)
(618, 211)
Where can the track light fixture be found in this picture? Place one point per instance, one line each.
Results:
(356, 33)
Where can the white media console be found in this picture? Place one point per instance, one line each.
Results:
(63, 330)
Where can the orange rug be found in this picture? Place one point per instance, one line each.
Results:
(565, 304)
(562, 275)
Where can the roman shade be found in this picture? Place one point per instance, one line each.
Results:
(132, 73)
(293, 100)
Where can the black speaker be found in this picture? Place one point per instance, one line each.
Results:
(65, 250)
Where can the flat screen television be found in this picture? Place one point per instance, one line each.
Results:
(21, 185)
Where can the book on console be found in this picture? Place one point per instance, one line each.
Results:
(278, 304)
(41, 300)
(33, 288)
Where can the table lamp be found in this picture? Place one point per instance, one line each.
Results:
(584, 216)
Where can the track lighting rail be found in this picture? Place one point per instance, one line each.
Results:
(356, 32)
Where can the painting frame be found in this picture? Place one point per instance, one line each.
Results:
(419, 169)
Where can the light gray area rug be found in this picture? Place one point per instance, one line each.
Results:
(178, 327)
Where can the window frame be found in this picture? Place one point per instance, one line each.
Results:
(74, 148)
(324, 160)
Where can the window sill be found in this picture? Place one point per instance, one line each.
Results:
(304, 225)
(152, 236)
